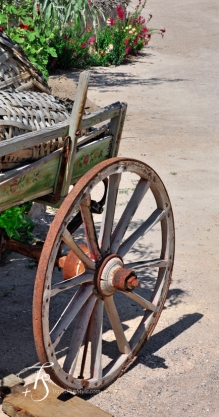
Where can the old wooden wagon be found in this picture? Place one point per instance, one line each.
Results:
(105, 266)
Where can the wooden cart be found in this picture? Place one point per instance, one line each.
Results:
(105, 267)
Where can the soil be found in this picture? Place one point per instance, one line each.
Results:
(172, 124)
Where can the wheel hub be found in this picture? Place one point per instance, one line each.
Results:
(112, 276)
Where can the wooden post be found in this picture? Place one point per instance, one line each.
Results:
(75, 120)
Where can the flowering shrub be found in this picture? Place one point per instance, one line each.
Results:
(26, 27)
(110, 45)
(71, 48)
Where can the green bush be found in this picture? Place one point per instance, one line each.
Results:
(26, 27)
(16, 222)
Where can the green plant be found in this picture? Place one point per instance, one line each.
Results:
(71, 48)
(26, 27)
(110, 45)
(79, 12)
(17, 223)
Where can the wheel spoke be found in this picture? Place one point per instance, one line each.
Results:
(80, 328)
(70, 312)
(96, 341)
(140, 190)
(109, 212)
(159, 285)
(140, 300)
(67, 238)
(90, 229)
(72, 282)
(154, 218)
(153, 263)
(116, 324)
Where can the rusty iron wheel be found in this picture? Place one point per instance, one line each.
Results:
(91, 321)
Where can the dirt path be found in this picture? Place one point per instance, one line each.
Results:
(172, 124)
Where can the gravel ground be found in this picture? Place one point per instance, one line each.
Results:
(172, 124)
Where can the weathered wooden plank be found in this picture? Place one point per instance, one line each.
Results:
(27, 402)
(86, 138)
(74, 123)
(58, 130)
(33, 138)
(90, 155)
(117, 128)
(34, 180)
(100, 115)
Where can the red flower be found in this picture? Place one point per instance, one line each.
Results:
(90, 3)
(120, 13)
(127, 50)
(38, 9)
(126, 41)
(70, 41)
(1, 29)
(91, 40)
(102, 53)
(149, 36)
(163, 30)
(88, 29)
(66, 37)
(74, 54)
(111, 21)
(22, 26)
(83, 45)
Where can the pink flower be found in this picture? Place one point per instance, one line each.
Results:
(88, 29)
(91, 40)
(90, 3)
(127, 50)
(102, 53)
(126, 41)
(120, 13)
(74, 54)
(149, 36)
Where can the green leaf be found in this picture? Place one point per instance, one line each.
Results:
(52, 52)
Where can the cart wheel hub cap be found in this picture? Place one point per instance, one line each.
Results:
(112, 276)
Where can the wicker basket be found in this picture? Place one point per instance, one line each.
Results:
(16, 71)
(23, 112)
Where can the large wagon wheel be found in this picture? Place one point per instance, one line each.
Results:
(91, 319)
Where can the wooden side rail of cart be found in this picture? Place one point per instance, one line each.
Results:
(52, 175)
